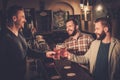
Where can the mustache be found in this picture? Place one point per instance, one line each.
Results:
(97, 33)
(69, 30)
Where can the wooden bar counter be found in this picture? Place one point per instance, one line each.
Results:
(63, 70)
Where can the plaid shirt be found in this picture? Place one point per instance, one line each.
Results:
(79, 45)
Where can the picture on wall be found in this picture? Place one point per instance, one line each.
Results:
(59, 18)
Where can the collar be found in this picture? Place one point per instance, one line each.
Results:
(79, 34)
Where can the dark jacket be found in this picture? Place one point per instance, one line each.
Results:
(13, 51)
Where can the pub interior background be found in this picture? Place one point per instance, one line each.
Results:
(48, 16)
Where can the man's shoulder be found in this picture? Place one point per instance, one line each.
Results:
(68, 39)
(94, 42)
(89, 35)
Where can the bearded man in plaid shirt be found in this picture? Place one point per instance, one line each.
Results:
(78, 43)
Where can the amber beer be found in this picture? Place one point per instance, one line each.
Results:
(57, 55)
(59, 49)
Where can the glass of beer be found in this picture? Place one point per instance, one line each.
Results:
(59, 49)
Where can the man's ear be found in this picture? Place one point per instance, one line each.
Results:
(14, 18)
(106, 29)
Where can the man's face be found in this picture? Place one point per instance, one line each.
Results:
(20, 19)
(99, 31)
(71, 28)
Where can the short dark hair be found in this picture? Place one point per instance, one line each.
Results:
(105, 22)
(71, 19)
(12, 11)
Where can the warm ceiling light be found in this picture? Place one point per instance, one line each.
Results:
(99, 8)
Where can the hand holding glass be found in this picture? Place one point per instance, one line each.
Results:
(59, 49)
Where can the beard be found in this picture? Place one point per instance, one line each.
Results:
(74, 32)
(101, 36)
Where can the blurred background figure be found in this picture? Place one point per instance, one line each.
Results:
(38, 43)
